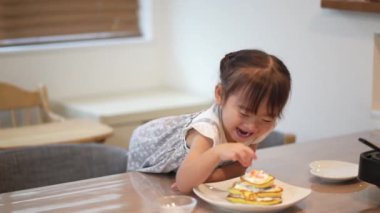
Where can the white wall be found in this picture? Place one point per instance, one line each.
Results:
(91, 69)
(328, 52)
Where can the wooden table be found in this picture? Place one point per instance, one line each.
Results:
(67, 131)
(136, 192)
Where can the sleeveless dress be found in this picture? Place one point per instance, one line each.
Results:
(159, 146)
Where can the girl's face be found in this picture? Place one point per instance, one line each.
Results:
(239, 124)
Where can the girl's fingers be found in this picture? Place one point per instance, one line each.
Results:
(247, 157)
(245, 160)
(174, 187)
(254, 157)
(238, 152)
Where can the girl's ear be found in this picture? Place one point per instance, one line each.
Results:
(218, 94)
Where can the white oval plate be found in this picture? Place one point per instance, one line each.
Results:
(290, 196)
(332, 170)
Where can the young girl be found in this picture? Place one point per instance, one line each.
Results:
(220, 142)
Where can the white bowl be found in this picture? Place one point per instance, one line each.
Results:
(177, 203)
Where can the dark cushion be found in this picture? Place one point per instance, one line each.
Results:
(37, 166)
(275, 138)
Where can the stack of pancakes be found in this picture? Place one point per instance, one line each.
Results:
(255, 187)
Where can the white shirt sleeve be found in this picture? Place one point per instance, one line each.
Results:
(206, 129)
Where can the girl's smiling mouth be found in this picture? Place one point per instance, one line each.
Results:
(243, 134)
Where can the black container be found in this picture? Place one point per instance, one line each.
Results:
(369, 167)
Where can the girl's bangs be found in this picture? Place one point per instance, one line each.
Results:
(258, 93)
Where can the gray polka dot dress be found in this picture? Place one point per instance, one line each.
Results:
(159, 146)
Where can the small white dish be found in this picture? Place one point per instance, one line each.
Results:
(176, 203)
(332, 170)
(291, 195)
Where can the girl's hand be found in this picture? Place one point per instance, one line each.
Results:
(174, 187)
(236, 152)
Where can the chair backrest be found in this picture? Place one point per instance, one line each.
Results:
(20, 107)
(52, 164)
(277, 138)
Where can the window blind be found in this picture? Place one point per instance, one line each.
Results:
(43, 21)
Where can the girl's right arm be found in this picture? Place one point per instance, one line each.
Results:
(203, 159)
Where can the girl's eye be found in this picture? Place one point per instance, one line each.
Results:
(244, 114)
(267, 120)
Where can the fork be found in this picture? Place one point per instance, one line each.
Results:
(212, 188)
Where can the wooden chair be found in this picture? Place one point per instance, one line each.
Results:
(277, 138)
(19, 107)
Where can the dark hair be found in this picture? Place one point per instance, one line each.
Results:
(258, 75)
